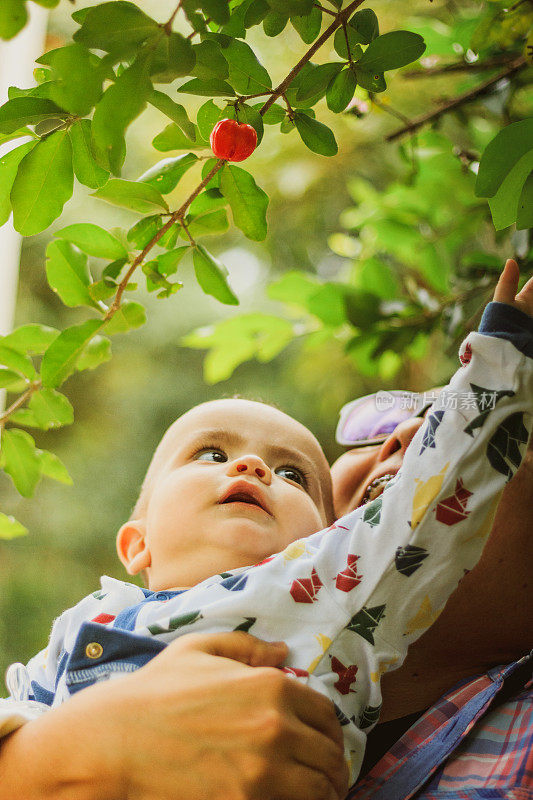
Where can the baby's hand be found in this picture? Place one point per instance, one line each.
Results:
(506, 289)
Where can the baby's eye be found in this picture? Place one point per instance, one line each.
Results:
(292, 474)
(211, 454)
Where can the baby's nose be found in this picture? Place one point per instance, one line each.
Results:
(250, 465)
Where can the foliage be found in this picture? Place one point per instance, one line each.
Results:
(415, 258)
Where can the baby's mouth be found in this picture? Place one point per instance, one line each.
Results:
(375, 488)
(241, 497)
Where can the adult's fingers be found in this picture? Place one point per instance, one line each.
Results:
(313, 750)
(237, 645)
(300, 782)
(507, 285)
(314, 710)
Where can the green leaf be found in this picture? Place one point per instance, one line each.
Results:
(12, 381)
(86, 169)
(96, 352)
(93, 240)
(68, 274)
(391, 51)
(209, 88)
(317, 80)
(207, 117)
(252, 117)
(119, 106)
(144, 231)
(7, 137)
(208, 200)
(211, 274)
(371, 81)
(19, 362)
(13, 18)
(246, 74)
(9, 164)
(308, 26)
(233, 341)
(255, 13)
(341, 90)
(173, 138)
(53, 467)
(47, 3)
(117, 27)
(375, 276)
(524, 217)
(27, 111)
(298, 7)
(167, 263)
(214, 183)
(136, 196)
(316, 136)
(174, 111)
(43, 184)
(20, 460)
(366, 24)
(274, 23)
(248, 202)
(77, 79)
(294, 288)
(165, 175)
(210, 63)
(501, 154)
(505, 203)
(217, 10)
(274, 115)
(328, 304)
(211, 223)
(130, 315)
(59, 361)
(235, 27)
(354, 39)
(31, 338)
(173, 58)
(10, 528)
(51, 409)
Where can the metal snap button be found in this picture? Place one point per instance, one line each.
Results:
(94, 650)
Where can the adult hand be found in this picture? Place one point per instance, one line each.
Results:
(209, 717)
(506, 289)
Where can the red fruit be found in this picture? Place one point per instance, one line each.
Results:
(232, 140)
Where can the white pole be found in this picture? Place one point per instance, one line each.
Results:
(17, 58)
(17, 62)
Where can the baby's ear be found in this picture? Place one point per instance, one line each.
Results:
(132, 547)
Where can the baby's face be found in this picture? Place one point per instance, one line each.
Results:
(237, 482)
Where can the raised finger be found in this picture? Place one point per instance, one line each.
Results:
(507, 285)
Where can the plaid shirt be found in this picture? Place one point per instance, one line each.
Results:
(469, 746)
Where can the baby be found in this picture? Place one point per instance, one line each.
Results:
(235, 482)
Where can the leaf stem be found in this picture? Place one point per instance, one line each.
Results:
(33, 387)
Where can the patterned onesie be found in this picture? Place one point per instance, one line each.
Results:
(347, 600)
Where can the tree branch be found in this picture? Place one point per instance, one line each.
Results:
(19, 402)
(461, 66)
(466, 97)
(340, 17)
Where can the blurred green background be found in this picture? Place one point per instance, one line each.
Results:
(324, 214)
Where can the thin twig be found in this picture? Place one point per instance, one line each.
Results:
(33, 387)
(168, 24)
(466, 97)
(325, 10)
(460, 66)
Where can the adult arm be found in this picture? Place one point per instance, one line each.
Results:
(209, 717)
